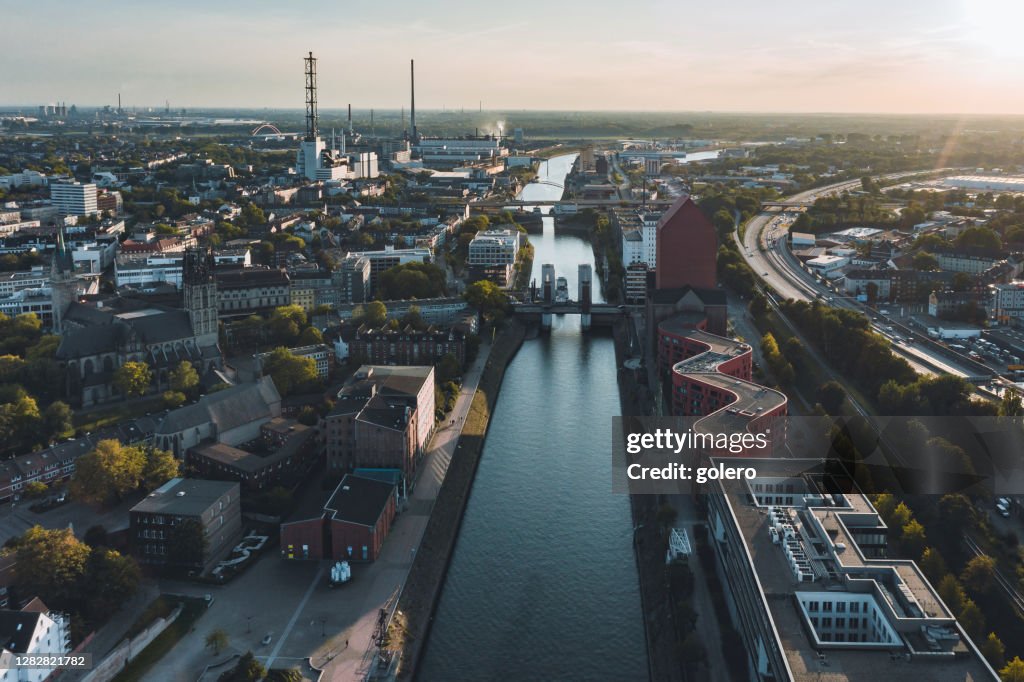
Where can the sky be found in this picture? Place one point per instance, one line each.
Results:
(893, 56)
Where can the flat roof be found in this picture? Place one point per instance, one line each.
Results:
(185, 497)
(833, 661)
(359, 500)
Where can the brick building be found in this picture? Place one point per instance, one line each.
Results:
(354, 524)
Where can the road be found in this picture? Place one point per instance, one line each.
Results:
(764, 247)
(291, 601)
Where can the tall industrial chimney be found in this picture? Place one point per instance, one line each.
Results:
(412, 103)
(350, 121)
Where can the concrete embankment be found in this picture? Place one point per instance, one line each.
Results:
(648, 546)
(426, 577)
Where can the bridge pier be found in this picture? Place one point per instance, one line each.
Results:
(545, 321)
(585, 321)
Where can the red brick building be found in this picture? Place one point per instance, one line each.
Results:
(711, 378)
(687, 248)
(355, 522)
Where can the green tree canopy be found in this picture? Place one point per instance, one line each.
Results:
(413, 280)
(133, 378)
(290, 372)
(50, 565)
(184, 378)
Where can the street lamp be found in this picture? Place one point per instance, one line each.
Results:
(248, 624)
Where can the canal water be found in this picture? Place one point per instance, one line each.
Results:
(543, 584)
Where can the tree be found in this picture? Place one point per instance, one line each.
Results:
(1011, 404)
(993, 650)
(448, 368)
(925, 261)
(18, 419)
(933, 565)
(413, 318)
(831, 396)
(310, 336)
(972, 620)
(248, 669)
(160, 467)
(96, 536)
(952, 593)
(35, 490)
(979, 237)
(187, 544)
(107, 473)
(1013, 671)
(287, 675)
(290, 372)
(50, 565)
(376, 313)
(412, 280)
(184, 378)
(133, 378)
(173, 399)
(913, 538)
(57, 421)
(485, 296)
(110, 580)
(286, 323)
(979, 574)
(216, 640)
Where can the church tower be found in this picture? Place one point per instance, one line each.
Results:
(199, 288)
(63, 285)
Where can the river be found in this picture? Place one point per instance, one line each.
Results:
(542, 583)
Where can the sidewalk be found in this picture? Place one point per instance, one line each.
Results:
(346, 655)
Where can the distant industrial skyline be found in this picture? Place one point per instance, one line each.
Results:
(800, 56)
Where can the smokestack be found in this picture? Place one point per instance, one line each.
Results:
(372, 132)
(412, 102)
(119, 102)
(350, 119)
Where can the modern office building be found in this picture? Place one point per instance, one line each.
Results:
(492, 255)
(811, 591)
(216, 505)
(74, 198)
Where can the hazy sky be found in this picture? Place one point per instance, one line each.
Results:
(735, 55)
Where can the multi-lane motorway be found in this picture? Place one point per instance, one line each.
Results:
(764, 247)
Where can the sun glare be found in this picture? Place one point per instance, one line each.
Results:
(995, 25)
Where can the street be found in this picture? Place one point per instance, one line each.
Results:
(291, 601)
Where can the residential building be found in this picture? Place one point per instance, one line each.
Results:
(352, 527)
(33, 630)
(386, 346)
(352, 280)
(215, 505)
(1007, 301)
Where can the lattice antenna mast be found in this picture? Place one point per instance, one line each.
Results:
(312, 129)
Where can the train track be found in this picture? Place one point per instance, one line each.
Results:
(1016, 598)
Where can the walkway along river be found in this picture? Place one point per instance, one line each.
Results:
(543, 584)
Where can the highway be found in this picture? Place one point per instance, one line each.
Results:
(765, 249)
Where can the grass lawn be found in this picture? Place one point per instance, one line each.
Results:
(93, 420)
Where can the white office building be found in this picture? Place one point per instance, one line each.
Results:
(74, 198)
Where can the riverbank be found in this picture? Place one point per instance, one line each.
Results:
(426, 577)
(648, 546)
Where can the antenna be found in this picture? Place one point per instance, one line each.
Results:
(311, 118)
(412, 102)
